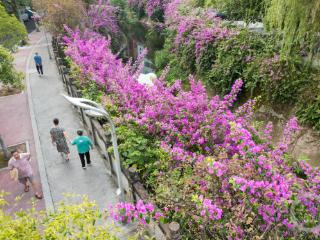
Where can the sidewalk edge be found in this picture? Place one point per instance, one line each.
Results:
(41, 165)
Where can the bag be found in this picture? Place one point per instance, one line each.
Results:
(14, 174)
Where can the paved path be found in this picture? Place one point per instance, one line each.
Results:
(15, 128)
(45, 94)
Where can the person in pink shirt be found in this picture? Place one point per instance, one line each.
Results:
(21, 163)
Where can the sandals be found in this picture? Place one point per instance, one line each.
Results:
(37, 195)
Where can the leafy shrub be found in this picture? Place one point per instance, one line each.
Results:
(165, 57)
(247, 55)
(245, 10)
(151, 8)
(138, 150)
(309, 106)
(154, 40)
(69, 221)
(9, 77)
(92, 91)
(279, 81)
(12, 31)
(231, 58)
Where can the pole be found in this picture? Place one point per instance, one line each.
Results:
(100, 111)
(117, 158)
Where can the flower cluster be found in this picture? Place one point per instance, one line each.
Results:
(235, 168)
(129, 212)
(150, 6)
(209, 209)
(102, 15)
(195, 26)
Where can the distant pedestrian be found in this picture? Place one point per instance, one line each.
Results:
(83, 145)
(20, 168)
(38, 62)
(59, 138)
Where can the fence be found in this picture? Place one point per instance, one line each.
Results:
(133, 188)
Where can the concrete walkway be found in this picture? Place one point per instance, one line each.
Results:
(63, 177)
(15, 128)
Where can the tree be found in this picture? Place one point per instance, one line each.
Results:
(4, 148)
(8, 75)
(57, 13)
(12, 6)
(298, 23)
(12, 31)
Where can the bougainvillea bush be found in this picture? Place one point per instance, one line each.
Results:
(199, 42)
(220, 178)
(152, 8)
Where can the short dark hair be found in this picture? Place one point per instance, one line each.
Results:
(80, 132)
(56, 121)
(13, 151)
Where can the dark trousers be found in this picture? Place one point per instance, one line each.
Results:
(39, 69)
(87, 154)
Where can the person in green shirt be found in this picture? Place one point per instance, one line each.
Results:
(83, 146)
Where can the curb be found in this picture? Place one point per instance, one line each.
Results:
(42, 168)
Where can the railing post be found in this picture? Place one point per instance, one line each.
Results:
(174, 228)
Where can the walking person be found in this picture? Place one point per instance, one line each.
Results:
(59, 138)
(20, 169)
(38, 62)
(83, 146)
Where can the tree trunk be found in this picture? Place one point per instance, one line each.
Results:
(15, 8)
(4, 148)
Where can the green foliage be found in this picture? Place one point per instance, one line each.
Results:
(279, 80)
(172, 188)
(89, 89)
(9, 77)
(154, 41)
(166, 57)
(297, 22)
(92, 91)
(245, 10)
(250, 56)
(138, 150)
(69, 221)
(131, 27)
(12, 6)
(12, 31)
(309, 106)
(309, 113)
(229, 59)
